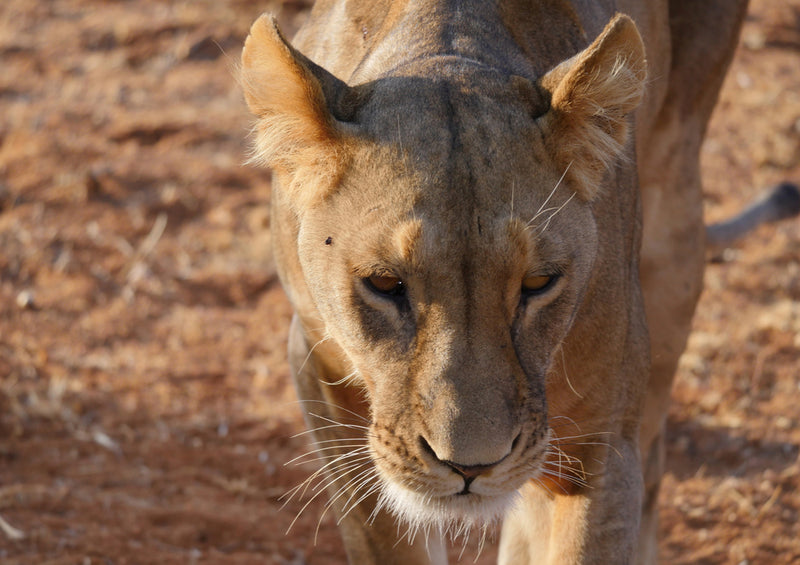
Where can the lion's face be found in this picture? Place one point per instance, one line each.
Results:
(449, 282)
(444, 240)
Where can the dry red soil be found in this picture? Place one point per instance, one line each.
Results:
(146, 411)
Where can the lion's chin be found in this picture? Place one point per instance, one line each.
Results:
(451, 516)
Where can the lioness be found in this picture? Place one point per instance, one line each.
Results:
(462, 192)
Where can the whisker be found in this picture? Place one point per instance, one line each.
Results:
(546, 224)
(320, 488)
(362, 439)
(332, 421)
(462, 530)
(363, 478)
(540, 213)
(574, 443)
(378, 507)
(569, 421)
(566, 460)
(513, 187)
(343, 381)
(552, 192)
(574, 480)
(562, 454)
(564, 367)
(569, 461)
(542, 485)
(598, 443)
(299, 459)
(577, 473)
(307, 482)
(322, 428)
(569, 478)
(310, 351)
(335, 406)
(338, 494)
(554, 474)
(369, 492)
(579, 436)
(481, 542)
(342, 471)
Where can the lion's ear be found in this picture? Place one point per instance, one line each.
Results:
(592, 94)
(297, 135)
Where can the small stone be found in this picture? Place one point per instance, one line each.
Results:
(754, 40)
(25, 300)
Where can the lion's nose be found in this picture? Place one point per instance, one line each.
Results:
(468, 472)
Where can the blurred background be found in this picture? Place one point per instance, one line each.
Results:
(146, 411)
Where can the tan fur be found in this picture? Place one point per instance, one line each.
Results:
(591, 98)
(461, 148)
(296, 134)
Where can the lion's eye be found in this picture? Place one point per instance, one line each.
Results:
(386, 285)
(536, 284)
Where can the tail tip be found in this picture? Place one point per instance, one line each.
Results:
(786, 197)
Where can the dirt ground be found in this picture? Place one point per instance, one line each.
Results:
(145, 407)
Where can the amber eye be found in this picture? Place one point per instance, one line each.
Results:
(386, 285)
(537, 283)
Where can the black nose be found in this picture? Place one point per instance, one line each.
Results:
(468, 472)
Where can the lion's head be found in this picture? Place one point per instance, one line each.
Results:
(438, 239)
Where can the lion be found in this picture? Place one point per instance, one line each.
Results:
(487, 217)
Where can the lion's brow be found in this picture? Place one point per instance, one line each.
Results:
(398, 254)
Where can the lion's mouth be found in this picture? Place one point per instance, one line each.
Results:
(456, 501)
(451, 515)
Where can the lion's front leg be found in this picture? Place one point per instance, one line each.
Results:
(337, 417)
(596, 525)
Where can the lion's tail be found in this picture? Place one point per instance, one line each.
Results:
(781, 203)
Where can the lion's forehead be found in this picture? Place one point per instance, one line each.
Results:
(456, 102)
(463, 203)
(454, 145)
(457, 216)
